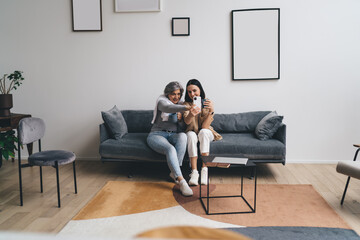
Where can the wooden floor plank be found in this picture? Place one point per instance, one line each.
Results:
(41, 214)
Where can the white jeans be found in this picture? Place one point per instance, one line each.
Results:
(205, 136)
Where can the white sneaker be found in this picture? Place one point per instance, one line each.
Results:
(204, 176)
(194, 178)
(185, 189)
(173, 177)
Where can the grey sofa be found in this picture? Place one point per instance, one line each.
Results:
(237, 130)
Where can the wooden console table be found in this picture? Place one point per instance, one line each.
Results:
(12, 122)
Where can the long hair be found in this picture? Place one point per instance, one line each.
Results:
(198, 84)
(173, 86)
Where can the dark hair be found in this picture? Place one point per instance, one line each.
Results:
(173, 86)
(196, 83)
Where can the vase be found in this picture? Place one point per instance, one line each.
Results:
(6, 103)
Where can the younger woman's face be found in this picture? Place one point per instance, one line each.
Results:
(193, 91)
(175, 96)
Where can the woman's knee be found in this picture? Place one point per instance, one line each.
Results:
(191, 136)
(182, 137)
(160, 144)
(204, 133)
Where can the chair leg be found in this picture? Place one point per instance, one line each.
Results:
(74, 177)
(41, 180)
(348, 180)
(356, 153)
(346, 186)
(20, 183)
(57, 182)
(20, 178)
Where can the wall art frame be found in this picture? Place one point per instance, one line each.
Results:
(123, 6)
(86, 15)
(255, 44)
(180, 26)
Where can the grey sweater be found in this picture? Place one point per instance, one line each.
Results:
(163, 106)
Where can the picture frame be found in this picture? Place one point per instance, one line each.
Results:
(86, 15)
(122, 6)
(255, 54)
(180, 26)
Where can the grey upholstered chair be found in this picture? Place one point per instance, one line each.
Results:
(31, 130)
(351, 169)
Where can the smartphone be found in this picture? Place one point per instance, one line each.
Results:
(197, 101)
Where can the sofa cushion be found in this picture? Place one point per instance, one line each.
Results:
(268, 126)
(115, 122)
(138, 121)
(132, 146)
(249, 146)
(237, 122)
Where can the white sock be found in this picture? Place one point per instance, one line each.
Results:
(185, 189)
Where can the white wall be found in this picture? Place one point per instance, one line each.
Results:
(72, 76)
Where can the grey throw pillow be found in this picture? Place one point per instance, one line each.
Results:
(268, 126)
(115, 122)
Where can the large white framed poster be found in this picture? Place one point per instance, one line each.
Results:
(137, 5)
(256, 44)
(86, 15)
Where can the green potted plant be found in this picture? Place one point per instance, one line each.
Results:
(7, 144)
(6, 101)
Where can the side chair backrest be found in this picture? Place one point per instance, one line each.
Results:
(31, 129)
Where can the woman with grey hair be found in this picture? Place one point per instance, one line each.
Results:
(164, 137)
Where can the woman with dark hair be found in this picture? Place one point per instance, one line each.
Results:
(198, 129)
(164, 137)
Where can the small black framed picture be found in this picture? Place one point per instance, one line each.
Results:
(180, 26)
(86, 15)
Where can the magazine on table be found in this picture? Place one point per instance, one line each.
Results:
(230, 160)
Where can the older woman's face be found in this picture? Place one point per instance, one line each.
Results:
(175, 96)
(193, 91)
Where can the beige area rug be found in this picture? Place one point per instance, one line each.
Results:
(119, 198)
(129, 208)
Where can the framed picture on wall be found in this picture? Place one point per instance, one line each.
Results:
(137, 5)
(256, 44)
(86, 15)
(180, 26)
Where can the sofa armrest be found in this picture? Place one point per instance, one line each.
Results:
(104, 134)
(281, 134)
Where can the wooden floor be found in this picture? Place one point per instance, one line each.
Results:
(40, 212)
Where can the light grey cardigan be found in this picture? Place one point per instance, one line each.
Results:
(163, 106)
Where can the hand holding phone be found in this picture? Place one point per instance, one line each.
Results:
(208, 104)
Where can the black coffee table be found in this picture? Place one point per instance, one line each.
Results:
(210, 162)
